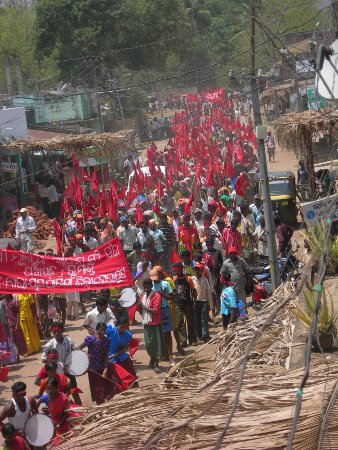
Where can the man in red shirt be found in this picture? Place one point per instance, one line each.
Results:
(232, 238)
(187, 234)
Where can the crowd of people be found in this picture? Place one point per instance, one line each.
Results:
(190, 235)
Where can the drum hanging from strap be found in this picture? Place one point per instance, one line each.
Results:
(39, 430)
(128, 297)
(77, 362)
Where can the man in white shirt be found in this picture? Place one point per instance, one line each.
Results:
(24, 228)
(88, 240)
(99, 314)
(127, 235)
(199, 221)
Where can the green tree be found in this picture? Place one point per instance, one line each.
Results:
(198, 14)
(17, 41)
(85, 28)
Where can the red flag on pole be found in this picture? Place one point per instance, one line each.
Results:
(103, 205)
(75, 161)
(112, 207)
(85, 175)
(122, 193)
(65, 208)
(175, 257)
(156, 208)
(58, 237)
(139, 215)
(159, 189)
(95, 181)
(78, 197)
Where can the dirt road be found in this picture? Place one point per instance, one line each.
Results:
(27, 369)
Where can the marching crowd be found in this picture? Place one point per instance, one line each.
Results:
(190, 236)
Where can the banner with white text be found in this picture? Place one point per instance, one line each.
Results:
(105, 266)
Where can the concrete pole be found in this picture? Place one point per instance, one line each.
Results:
(267, 205)
(253, 81)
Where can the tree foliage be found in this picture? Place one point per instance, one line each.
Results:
(149, 39)
(17, 41)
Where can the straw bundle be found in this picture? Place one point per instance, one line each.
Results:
(190, 408)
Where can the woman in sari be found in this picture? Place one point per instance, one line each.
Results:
(7, 349)
(150, 304)
(57, 403)
(27, 312)
(11, 310)
(51, 371)
(98, 347)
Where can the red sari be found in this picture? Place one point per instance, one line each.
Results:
(57, 407)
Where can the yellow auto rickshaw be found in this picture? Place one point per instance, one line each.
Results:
(283, 195)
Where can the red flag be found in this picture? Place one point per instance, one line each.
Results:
(113, 189)
(122, 193)
(112, 207)
(95, 181)
(133, 346)
(175, 257)
(75, 161)
(159, 189)
(85, 175)
(103, 205)
(78, 197)
(156, 208)
(139, 215)
(91, 202)
(65, 208)
(9, 247)
(124, 378)
(58, 237)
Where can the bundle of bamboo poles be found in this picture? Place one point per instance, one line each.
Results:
(190, 408)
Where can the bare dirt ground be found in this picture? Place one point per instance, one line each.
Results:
(27, 369)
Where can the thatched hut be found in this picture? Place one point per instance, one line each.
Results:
(113, 147)
(309, 134)
(52, 158)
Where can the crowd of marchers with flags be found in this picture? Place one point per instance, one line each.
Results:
(190, 222)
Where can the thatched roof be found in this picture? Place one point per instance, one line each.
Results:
(296, 129)
(70, 143)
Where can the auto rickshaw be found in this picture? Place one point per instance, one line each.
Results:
(283, 195)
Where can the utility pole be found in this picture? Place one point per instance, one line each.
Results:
(99, 111)
(267, 205)
(114, 85)
(334, 9)
(253, 80)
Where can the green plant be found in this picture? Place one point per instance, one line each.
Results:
(327, 317)
(315, 237)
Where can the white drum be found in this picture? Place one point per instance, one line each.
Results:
(77, 362)
(128, 297)
(39, 430)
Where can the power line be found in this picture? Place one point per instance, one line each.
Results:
(139, 133)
